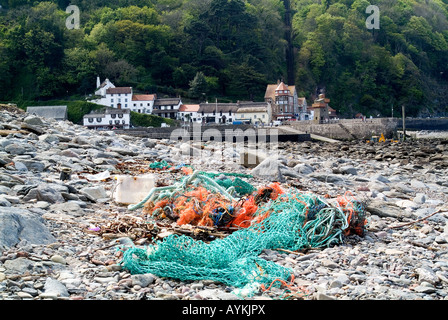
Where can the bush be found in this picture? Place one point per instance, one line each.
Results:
(149, 120)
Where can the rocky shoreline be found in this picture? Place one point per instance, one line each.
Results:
(49, 248)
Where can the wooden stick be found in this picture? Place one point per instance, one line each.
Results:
(289, 251)
(412, 222)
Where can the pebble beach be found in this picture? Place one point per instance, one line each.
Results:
(50, 249)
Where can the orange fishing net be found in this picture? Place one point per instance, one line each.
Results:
(201, 207)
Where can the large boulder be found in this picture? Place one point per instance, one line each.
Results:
(269, 169)
(19, 224)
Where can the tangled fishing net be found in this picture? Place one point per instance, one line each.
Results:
(268, 218)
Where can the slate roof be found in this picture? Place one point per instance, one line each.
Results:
(123, 90)
(222, 107)
(167, 102)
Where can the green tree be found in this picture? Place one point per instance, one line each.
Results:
(198, 86)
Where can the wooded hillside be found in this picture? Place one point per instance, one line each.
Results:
(231, 49)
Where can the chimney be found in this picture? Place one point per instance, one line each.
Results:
(98, 82)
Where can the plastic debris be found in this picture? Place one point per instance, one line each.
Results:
(269, 218)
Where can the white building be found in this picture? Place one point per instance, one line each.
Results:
(102, 87)
(167, 107)
(143, 103)
(217, 112)
(109, 119)
(115, 97)
(124, 97)
(189, 113)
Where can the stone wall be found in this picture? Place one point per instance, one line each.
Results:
(217, 132)
(349, 129)
(424, 124)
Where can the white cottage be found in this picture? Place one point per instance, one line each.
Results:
(167, 107)
(189, 113)
(109, 119)
(143, 103)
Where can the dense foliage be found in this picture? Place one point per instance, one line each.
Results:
(404, 62)
(230, 49)
(149, 120)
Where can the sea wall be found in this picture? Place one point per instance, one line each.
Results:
(349, 129)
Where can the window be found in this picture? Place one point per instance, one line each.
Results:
(123, 122)
(119, 100)
(110, 121)
(98, 119)
(113, 116)
(120, 115)
(117, 121)
(126, 100)
(90, 120)
(111, 100)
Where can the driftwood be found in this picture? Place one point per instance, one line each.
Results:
(412, 222)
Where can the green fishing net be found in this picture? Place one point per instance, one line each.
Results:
(294, 221)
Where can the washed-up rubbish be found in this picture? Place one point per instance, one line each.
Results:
(162, 165)
(224, 179)
(99, 176)
(271, 219)
(207, 202)
(132, 189)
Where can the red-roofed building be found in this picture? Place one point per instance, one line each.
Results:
(143, 103)
(189, 113)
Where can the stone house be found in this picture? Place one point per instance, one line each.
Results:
(284, 100)
(321, 109)
(254, 112)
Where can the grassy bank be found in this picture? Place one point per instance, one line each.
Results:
(76, 109)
